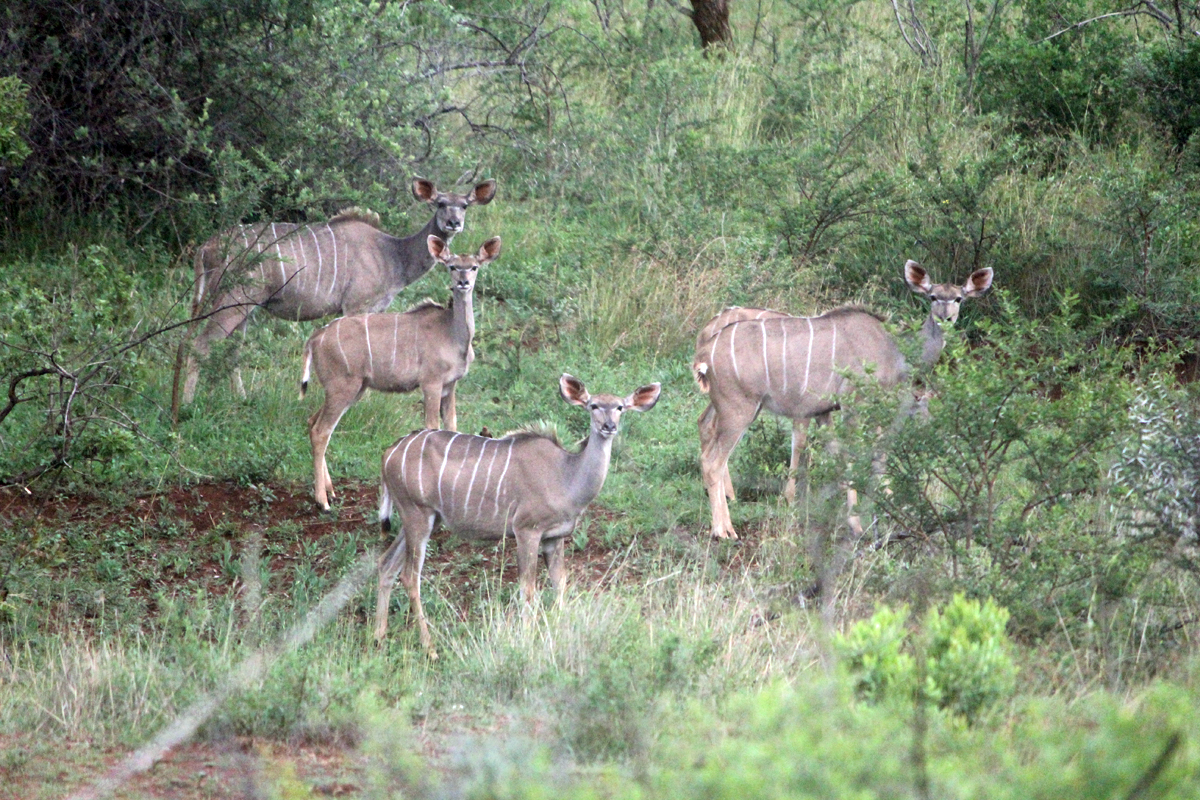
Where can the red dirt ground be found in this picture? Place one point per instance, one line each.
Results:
(32, 768)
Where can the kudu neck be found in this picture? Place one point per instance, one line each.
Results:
(586, 470)
(410, 254)
(932, 341)
(462, 317)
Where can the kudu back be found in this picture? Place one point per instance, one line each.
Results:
(427, 347)
(305, 272)
(525, 485)
(797, 366)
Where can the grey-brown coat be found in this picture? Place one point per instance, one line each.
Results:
(427, 347)
(525, 485)
(305, 272)
(796, 367)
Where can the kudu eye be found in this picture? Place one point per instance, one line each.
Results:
(958, 299)
(620, 407)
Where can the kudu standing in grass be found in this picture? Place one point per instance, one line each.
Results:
(428, 346)
(796, 367)
(305, 272)
(525, 485)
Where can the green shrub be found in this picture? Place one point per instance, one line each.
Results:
(873, 652)
(968, 663)
(970, 666)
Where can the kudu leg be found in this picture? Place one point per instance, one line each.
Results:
(554, 552)
(418, 527)
(431, 396)
(708, 429)
(390, 564)
(320, 429)
(220, 326)
(714, 466)
(799, 438)
(449, 414)
(528, 545)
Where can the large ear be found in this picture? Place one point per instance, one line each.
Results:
(489, 251)
(644, 398)
(979, 282)
(424, 190)
(572, 390)
(916, 277)
(438, 249)
(482, 193)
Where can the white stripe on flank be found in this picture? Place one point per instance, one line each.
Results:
(832, 360)
(461, 464)
(403, 457)
(317, 244)
(367, 335)
(338, 333)
(783, 351)
(488, 482)
(732, 353)
(421, 467)
(333, 239)
(503, 472)
(442, 471)
(295, 261)
(279, 256)
(302, 262)
(474, 472)
(808, 357)
(762, 326)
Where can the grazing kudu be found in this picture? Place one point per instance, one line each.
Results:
(524, 484)
(797, 366)
(427, 347)
(305, 272)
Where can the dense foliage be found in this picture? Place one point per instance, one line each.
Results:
(1035, 506)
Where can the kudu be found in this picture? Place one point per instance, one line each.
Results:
(305, 272)
(428, 346)
(797, 367)
(524, 484)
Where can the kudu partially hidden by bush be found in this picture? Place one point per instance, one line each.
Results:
(525, 485)
(305, 272)
(797, 366)
(428, 346)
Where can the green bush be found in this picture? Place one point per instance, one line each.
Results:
(1073, 83)
(969, 657)
(1168, 75)
(873, 652)
(968, 660)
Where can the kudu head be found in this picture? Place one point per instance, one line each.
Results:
(463, 268)
(451, 208)
(946, 298)
(606, 409)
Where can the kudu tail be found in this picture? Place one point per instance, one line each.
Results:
(385, 508)
(308, 348)
(700, 369)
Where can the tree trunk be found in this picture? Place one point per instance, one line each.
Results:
(711, 18)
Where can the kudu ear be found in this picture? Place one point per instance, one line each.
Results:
(438, 249)
(979, 282)
(916, 277)
(572, 390)
(482, 194)
(644, 398)
(489, 251)
(424, 190)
